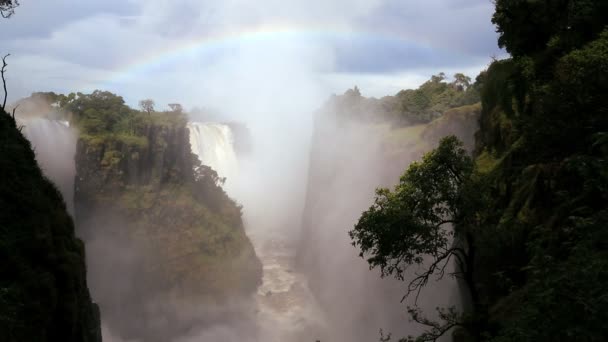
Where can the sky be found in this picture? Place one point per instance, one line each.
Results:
(206, 53)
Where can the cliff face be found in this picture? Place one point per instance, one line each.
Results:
(349, 159)
(43, 285)
(165, 239)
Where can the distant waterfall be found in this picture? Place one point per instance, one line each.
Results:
(54, 143)
(213, 143)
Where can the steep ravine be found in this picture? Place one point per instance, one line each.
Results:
(349, 159)
(286, 309)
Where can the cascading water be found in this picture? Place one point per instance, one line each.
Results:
(287, 310)
(213, 143)
(54, 143)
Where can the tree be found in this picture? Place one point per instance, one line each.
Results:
(528, 27)
(100, 111)
(438, 78)
(147, 105)
(7, 7)
(176, 107)
(461, 81)
(355, 92)
(425, 222)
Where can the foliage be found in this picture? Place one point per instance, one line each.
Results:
(410, 222)
(426, 222)
(530, 27)
(139, 185)
(542, 264)
(408, 107)
(537, 226)
(147, 105)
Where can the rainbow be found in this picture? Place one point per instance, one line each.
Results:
(203, 44)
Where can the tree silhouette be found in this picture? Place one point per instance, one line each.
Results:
(2, 71)
(147, 105)
(176, 107)
(426, 222)
(7, 7)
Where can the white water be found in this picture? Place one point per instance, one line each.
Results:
(286, 309)
(213, 143)
(54, 143)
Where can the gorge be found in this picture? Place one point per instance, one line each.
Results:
(134, 209)
(461, 209)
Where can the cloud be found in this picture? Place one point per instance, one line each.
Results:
(101, 43)
(464, 25)
(377, 54)
(39, 19)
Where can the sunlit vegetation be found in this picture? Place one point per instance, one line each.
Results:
(138, 185)
(411, 106)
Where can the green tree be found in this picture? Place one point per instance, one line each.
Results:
(426, 221)
(461, 81)
(438, 78)
(528, 27)
(97, 112)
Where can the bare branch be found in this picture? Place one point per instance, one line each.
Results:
(4, 80)
(436, 267)
(14, 109)
(449, 317)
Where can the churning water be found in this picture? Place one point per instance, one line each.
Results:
(286, 309)
(213, 143)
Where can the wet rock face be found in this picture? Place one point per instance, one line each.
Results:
(43, 285)
(349, 159)
(164, 243)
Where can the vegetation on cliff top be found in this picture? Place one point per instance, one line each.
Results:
(410, 106)
(139, 186)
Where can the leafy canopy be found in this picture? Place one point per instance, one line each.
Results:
(411, 222)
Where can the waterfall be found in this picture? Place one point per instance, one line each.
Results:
(213, 143)
(54, 143)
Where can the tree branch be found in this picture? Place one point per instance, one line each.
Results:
(450, 318)
(437, 267)
(7, 8)
(4, 80)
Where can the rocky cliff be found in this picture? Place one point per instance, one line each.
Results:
(43, 283)
(351, 156)
(166, 241)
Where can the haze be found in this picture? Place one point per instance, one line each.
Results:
(269, 65)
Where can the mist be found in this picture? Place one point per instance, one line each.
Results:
(302, 186)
